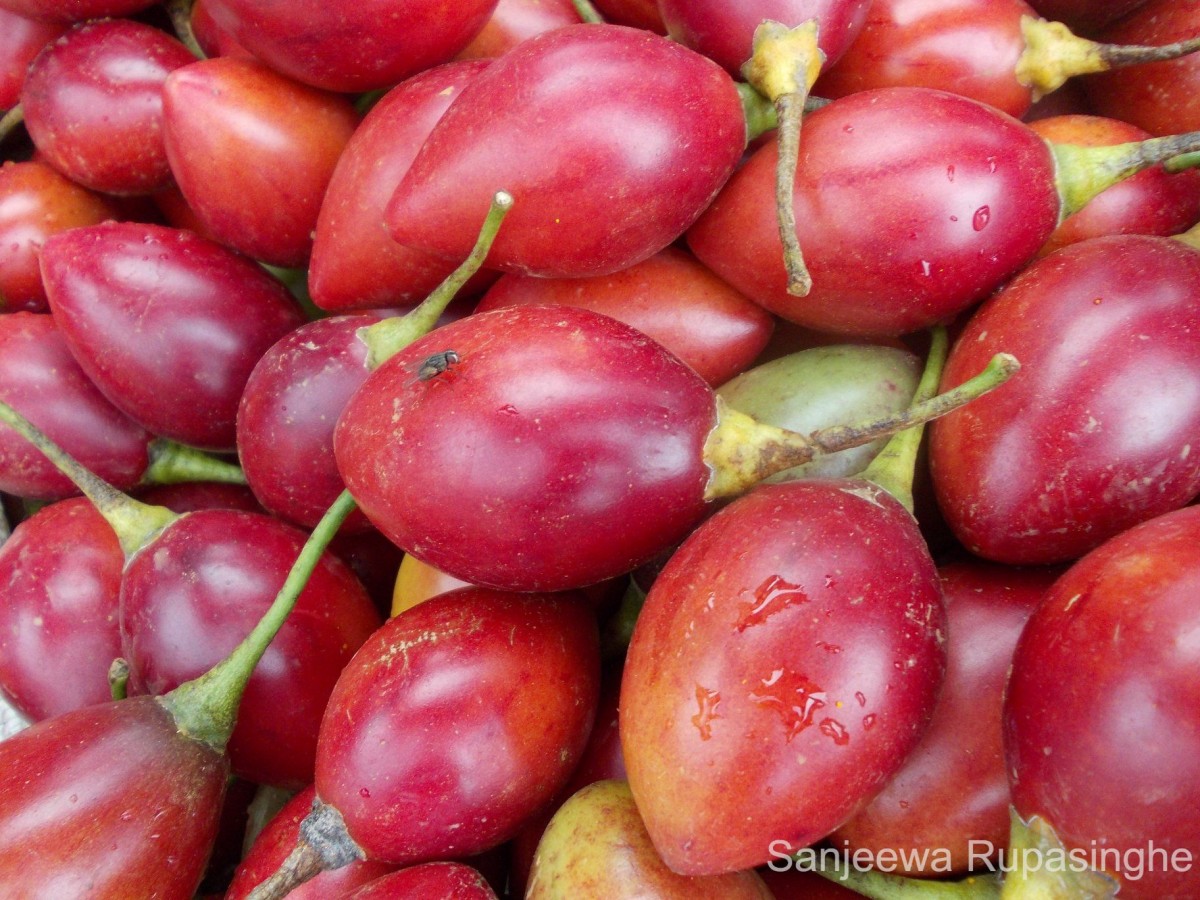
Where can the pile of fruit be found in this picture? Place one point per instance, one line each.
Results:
(664, 448)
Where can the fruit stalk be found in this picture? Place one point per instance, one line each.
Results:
(1053, 54)
(134, 523)
(387, 338)
(741, 451)
(784, 66)
(1084, 172)
(206, 707)
(893, 467)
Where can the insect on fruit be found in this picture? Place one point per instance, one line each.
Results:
(437, 364)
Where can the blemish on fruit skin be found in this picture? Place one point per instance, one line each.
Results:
(708, 701)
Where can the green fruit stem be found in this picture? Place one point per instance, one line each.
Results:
(172, 463)
(587, 12)
(1083, 172)
(180, 12)
(894, 466)
(1053, 54)
(205, 708)
(5, 526)
(10, 121)
(387, 338)
(758, 110)
(135, 523)
(783, 66)
(741, 451)
(118, 678)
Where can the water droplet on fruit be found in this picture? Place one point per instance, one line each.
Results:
(983, 215)
(707, 701)
(834, 729)
(950, 172)
(74, 798)
(364, 793)
(904, 804)
(772, 596)
(992, 164)
(868, 721)
(926, 267)
(828, 647)
(861, 698)
(792, 696)
(849, 129)
(508, 409)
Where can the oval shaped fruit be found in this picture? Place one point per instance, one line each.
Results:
(560, 448)
(611, 140)
(785, 663)
(1104, 674)
(167, 324)
(959, 194)
(1098, 430)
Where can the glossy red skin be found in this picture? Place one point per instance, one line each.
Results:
(671, 297)
(953, 788)
(273, 141)
(444, 752)
(61, 571)
(611, 140)
(447, 880)
(1105, 674)
(276, 841)
(287, 413)
(1150, 202)
(355, 263)
(1085, 17)
(93, 104)
(513, 21)
(167, 324)
(107, 801)
(75, 10)
(563, 449)
(36, 202)
(190, 597)
(1097, 431)
(910, 169)
(20, 40)
(724, 31)
(780, 630)
(42, 381)
(352, 48)
(1159, 97)
(970, 47)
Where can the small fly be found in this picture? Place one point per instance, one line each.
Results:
(436, 365)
